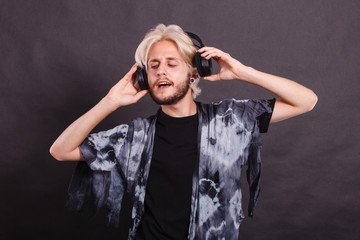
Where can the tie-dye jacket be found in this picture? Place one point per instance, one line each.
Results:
(119, 159)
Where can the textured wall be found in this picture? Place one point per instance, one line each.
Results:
(59, 58)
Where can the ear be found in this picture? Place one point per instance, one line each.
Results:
(195, 75)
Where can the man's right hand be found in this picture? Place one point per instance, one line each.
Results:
(125, 92)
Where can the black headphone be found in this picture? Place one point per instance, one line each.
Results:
(203, 66)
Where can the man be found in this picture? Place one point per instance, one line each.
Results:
(181, 166)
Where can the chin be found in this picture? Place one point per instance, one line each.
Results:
(166, 100)
(174, 97)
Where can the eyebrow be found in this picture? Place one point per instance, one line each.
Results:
(168, 58)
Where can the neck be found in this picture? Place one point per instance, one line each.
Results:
(183, 108)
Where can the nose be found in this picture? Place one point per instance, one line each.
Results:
(161, 70)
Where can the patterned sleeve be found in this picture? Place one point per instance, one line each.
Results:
(99, 182)
(102, 150)
(256, 109)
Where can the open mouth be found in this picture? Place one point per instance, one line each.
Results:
(163, 84)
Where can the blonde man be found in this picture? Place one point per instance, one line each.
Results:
(181, 166)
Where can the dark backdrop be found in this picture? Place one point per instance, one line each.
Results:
(59, 58)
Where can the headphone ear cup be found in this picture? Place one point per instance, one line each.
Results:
(141, 78)
(203, 65)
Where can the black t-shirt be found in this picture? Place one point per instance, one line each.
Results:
(169, 186)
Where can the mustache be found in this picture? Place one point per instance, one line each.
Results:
(163, 79)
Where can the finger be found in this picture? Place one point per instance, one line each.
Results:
(141, 94)
(212, 53)
(130, 76)
(203, 49)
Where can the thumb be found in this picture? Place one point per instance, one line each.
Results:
(213, 77)
(141, 94)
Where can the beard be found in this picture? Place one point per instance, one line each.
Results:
(180, 92)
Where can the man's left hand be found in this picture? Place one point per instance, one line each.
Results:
(230, 68)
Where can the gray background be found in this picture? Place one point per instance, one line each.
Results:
(59, 58)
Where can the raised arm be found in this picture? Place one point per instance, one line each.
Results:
(65, 147)
(293, 98)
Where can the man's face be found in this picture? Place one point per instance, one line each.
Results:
(168, 74)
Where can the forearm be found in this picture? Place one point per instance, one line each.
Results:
(123, 93)
(288, 91)
(65, 147)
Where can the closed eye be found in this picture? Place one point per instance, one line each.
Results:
(154, 66)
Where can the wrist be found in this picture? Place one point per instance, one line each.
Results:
(108, 104)
(245, 73)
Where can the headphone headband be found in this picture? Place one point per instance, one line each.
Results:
(196, 37)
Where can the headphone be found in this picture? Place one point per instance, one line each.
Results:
(203, 66)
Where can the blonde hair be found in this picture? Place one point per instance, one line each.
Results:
(183, 42)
